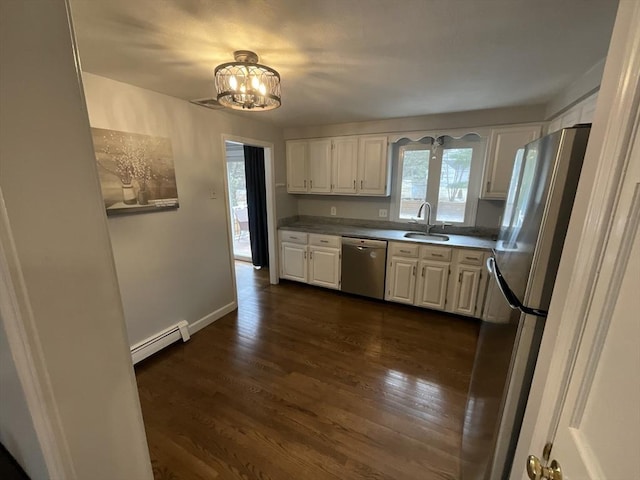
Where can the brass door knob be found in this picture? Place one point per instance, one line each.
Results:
(537, 471)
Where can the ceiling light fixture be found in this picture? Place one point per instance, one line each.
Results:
(247, 85)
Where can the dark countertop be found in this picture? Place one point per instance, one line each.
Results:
(389, 235)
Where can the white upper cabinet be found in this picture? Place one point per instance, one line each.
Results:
(345, 165)
(354, 165)
(320, 166)
(297, 159)
(504, 144)
(373, 166)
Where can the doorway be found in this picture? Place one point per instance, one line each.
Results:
(241, 157)
(237, 195)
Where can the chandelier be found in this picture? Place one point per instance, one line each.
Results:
(247, 85)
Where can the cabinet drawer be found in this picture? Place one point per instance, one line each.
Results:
(293, 237)
(324, 240)
(439, 254)
(471, 257)
(403, 250)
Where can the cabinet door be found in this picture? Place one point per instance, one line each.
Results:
(319, 166)
(293, 260)
(431, 288)
(503, 147)
(373, 166)
(401, 280)
(297, 157)
(466, 288)
(345, 165)
(324, 267)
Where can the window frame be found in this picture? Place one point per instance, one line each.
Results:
(479, 147)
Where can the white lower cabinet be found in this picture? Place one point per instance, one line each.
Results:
(310, 258)
(421, 275)
(293, 260)
(466, 290)
(468, 283)
(401, 280)
(324, 267)
(431, 288)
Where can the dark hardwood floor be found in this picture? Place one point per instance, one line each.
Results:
(306, 383)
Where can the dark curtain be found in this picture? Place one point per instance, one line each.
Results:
(256, 204)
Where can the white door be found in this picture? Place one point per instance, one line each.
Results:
(504, 144)
(297, 156)
(345, 164)
(401, 280)
(466, 289)
(431, 288)
(294, 262)
(586, 399)
(598, 434)
(373, 165)
(324, 267)
(319, 166)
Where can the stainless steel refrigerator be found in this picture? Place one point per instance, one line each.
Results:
(522, 269)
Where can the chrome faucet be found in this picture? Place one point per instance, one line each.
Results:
(428, 217)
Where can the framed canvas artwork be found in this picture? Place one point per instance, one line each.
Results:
(136, 172)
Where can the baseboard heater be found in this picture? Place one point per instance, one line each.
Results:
(153, 344)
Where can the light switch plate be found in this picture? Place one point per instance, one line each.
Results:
(333, 210)
(382, 213)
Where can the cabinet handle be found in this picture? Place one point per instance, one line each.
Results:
(414, 270)
(488, 185)
(310, 255)
(305, 255)
(293, 238)
(354, 184)
(460, 277)
(324, 241)
(436, 255)
(361, 184)
(310, 183)
(423, 270)
(405, 251)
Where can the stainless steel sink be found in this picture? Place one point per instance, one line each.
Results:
(431, 237)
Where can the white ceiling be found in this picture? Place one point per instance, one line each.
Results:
(352, 60)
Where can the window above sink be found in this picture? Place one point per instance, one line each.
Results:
(444, 171)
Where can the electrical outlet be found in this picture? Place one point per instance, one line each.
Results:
(333, 210)
(382, 213)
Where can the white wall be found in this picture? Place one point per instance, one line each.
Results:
(581, 88)
(17, 432)
(175, 265)
(475, 118)
(62, 263)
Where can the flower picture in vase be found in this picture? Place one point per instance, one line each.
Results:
(136, 172)
(128, 194)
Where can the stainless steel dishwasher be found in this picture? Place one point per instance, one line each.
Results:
(363, 266)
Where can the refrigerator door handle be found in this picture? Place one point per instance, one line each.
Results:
(508, 295)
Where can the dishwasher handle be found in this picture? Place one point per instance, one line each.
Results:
(363, 243)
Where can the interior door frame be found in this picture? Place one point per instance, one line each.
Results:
(272, 228)
(616, 123)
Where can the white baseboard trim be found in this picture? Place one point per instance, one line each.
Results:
(181, 330)
(212, 317)
(157, 342)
